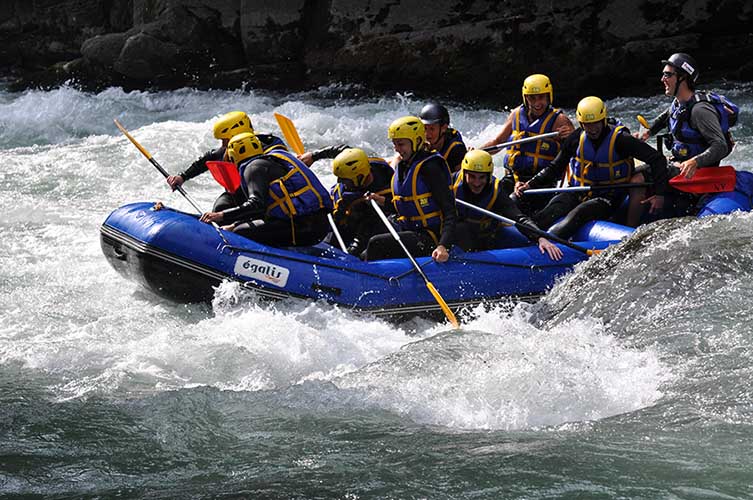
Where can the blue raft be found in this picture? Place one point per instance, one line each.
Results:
(178, 257)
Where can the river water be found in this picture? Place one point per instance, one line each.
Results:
(631, 379)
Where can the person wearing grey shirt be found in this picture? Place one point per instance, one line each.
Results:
(699, 121)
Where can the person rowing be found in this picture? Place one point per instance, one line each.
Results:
(536, 116)
(598, 154)
(285, 202)
(476, 184)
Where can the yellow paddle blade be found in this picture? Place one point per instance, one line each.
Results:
(643, 122)
(445, 308)
(290, 133)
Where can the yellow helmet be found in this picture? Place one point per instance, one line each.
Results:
(538, 84)
(408, 127)
(233, 123)
(478, 160)
(352, 164)
(591, 110)
(242, 146)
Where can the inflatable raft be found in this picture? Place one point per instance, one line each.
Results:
(178, 257)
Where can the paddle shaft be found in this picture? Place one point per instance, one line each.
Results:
(394, 234)
(520, 141)
(164, 173)
(442, 304)
(337, 233)
(526, 227)
(581, 189)
(157, 165)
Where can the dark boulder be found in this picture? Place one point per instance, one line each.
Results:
(458, 49)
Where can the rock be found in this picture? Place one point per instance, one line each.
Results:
(457, 49)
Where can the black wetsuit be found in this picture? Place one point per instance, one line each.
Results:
(578, 208)
(258, 173)
(469, 235)
(420, 243)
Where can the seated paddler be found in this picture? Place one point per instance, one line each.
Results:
(440, 137)
(535, 116)
(360, 178)
(425, 214)
(226, 126)
(477, 185)
(600, 156)
(285, 203)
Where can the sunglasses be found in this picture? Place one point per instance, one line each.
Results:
(667, 74)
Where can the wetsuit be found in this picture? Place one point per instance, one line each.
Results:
(523, 161)
(253, 214)
(475, 231)
(579, 208)
(419, 237)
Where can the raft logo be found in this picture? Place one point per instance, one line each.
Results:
(262, 271)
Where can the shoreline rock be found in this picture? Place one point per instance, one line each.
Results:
(463, 50)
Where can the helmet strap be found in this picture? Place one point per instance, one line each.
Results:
(677, 85)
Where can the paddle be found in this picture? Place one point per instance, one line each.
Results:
(643, 122)
(442, 304)
(337, 233)
(705, 180)
(496, 147)
(526, 227)
(226, 174)
(165, 174)
(290, 133)
(578, 189)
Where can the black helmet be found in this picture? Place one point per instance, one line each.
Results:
(434, 113)
(685, 63)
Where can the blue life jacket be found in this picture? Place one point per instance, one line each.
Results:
(297, 193)
(524, 160)
(687, 141)
(453, 139)
(483, 224)
(413, 201)
(599, 166)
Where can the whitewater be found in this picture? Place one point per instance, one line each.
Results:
(631, 378)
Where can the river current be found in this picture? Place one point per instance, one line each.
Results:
(632, 378)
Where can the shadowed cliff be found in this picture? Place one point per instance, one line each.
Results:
(471, 50)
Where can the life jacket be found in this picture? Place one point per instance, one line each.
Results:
(601, 166)
(687, 141)
(413, 201)
(524, 160)
(484, 225)
(452, 140)
(342, 198)
(271, 143)
(295, 194)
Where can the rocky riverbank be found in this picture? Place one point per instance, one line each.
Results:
(469, 50)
